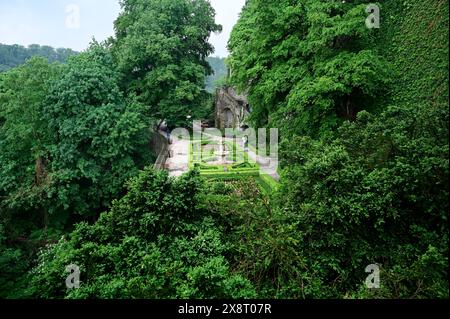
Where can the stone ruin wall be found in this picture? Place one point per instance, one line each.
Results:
(232, 109)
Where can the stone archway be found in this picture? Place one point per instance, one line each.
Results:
(228, 118)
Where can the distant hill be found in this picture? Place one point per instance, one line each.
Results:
(220, 70)
(14, 55)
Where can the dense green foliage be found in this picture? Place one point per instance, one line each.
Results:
(363, 119)
(23, 136)
(100, 135)
(377, 194)
(156, 242)
(68, 142)
(311, 64)
(368, 184)
(161, 47)
(14, 55)
(71, 135)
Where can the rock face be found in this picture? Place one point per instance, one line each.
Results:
(232, 109)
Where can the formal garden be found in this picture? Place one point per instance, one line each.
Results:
(227, 159)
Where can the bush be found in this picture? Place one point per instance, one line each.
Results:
(378, 194)
(156, 242)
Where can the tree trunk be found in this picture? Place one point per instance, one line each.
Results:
(350, 110)
(40, 171)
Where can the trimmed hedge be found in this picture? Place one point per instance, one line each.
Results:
(224, 172)
(230, 175)
(267, 183)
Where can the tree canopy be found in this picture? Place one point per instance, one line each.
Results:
(161, 49)
(155, 242)
(69, 140)
(307, 65)
(100, 135)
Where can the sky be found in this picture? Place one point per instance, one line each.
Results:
(73, 23)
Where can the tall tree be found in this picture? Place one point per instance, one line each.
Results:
(100, 136)
(306, 64)
(23, 167)
(24, 135)
(69, 140)
(161, 47)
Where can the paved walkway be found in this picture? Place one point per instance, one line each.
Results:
(178, 161)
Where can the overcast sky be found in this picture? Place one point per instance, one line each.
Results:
(59, 24)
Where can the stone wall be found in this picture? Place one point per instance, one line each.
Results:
(160, 146)
(232, 109)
